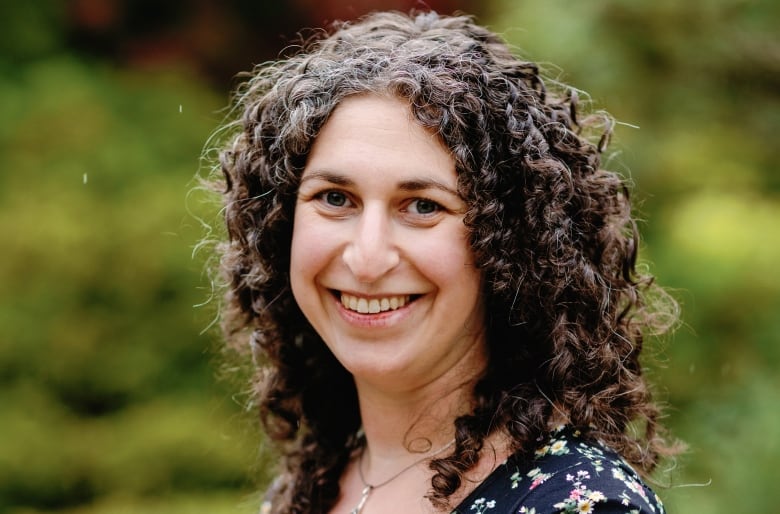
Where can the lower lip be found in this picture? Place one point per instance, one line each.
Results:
(378, 320)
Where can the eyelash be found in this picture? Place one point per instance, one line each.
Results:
(325, 197)
(435, 205)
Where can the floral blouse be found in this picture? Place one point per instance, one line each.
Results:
(567, 475)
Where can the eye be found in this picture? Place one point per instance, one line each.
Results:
(423, 206)
(335, 198)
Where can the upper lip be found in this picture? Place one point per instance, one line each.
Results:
(370, 296)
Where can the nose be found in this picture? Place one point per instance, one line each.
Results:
(371, 252)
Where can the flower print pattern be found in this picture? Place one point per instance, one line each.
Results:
(567, 475)
(481, 505)
(516, 479)
(556, 447)
(537, 478)
(581, 499)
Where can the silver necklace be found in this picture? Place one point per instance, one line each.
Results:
(368, 488)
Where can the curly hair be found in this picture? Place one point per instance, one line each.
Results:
(551, 231)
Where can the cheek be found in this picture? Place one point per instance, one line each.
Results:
(447, 258)
(300, 258)
(309, 254)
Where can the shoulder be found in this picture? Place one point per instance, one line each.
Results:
(567, 475)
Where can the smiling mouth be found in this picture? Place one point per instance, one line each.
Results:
(373, 305)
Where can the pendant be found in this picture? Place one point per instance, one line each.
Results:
(366, 491)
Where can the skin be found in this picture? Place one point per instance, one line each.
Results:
(378, 217)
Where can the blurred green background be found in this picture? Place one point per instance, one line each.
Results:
(109, 396)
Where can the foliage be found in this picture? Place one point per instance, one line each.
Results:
(106, 382)
(107, 379)
(700, 79)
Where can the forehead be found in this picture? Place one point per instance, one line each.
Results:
(372, 111)
(373, 133)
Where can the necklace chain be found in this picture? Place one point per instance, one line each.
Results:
(368, 488)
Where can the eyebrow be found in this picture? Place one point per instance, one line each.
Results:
(422, 184)
(327, 176)
(417, 184)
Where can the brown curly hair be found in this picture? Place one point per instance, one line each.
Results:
(551, 231)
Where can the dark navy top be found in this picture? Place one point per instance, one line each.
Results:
(567, 475)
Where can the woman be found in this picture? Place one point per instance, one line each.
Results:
(437, 280)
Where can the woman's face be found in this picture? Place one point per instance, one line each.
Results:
(381, 264)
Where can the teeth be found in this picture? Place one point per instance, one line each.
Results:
(373, 305)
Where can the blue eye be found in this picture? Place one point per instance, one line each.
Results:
(335, 198)
(423, 206)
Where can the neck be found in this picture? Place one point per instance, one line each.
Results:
(401, 427)
(406, 417)
(397, 426)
